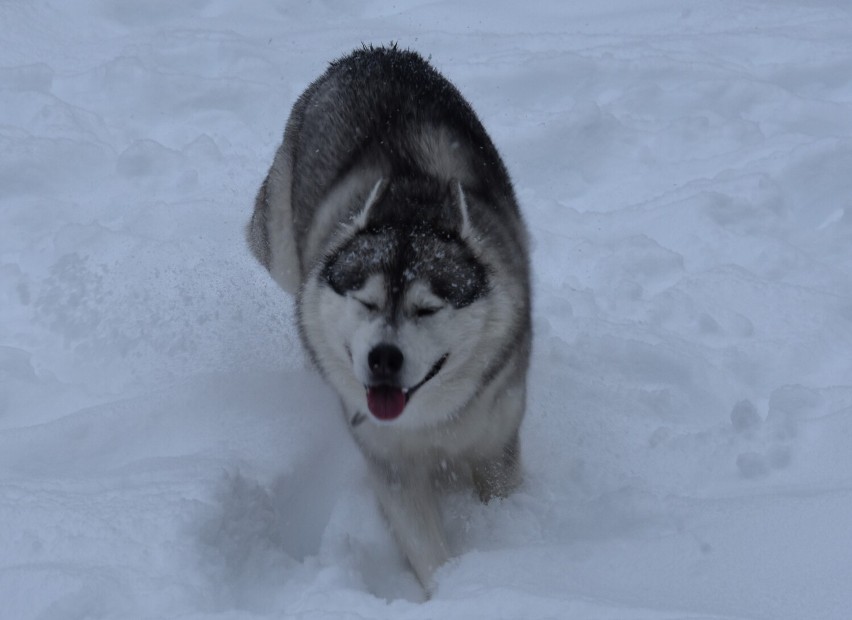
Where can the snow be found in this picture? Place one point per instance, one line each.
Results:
(167, 452)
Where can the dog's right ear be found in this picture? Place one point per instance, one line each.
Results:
(360, 220)
(459, 205)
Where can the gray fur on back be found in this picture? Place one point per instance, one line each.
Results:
(388, 111)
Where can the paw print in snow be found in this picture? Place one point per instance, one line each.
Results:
(771, 441)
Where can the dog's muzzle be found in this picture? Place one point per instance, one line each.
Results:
(386, 400)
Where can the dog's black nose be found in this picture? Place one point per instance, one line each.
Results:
(385, 361)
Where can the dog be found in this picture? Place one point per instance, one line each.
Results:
(390, 216)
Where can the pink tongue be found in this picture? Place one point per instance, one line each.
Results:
(386, 403)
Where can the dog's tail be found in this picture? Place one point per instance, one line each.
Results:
(270, 231)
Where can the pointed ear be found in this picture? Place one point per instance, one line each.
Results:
(459, 203)
(360, 220)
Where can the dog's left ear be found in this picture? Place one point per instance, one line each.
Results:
(360, 220)
(458, 202)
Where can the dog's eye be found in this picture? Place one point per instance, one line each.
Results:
(371, 307)
(424, 311)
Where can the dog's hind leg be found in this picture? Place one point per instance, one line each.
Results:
(497, 472)
(498, 476)
(410, 504)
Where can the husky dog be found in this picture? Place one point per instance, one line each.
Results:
(390, 216)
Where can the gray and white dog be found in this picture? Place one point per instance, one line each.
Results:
(390, 216)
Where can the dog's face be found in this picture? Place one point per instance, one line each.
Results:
(394, 314)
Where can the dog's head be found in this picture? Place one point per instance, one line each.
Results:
(397, 314)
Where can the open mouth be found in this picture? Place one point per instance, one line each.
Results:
(386, 402)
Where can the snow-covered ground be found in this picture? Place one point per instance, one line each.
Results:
(686, 171)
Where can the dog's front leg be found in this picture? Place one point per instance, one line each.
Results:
(410, 504)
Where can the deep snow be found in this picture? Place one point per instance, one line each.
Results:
(686, 172)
